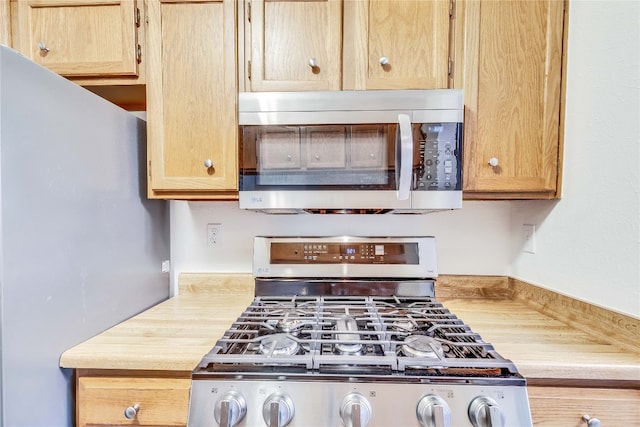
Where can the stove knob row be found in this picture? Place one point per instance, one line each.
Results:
(230, 409)
(278, 410)
(355, 410)
(433, 411)
(485, 412)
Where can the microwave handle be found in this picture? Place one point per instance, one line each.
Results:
(404, 156)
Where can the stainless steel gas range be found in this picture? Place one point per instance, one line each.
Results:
(346, 331)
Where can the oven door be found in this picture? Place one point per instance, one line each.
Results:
(327, 166)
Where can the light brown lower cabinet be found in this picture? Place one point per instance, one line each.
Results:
(102, 401)
(565, 406)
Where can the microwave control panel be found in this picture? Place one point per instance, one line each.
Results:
(440, 152)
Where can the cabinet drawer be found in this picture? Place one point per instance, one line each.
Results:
(564, 406)
(162, 401)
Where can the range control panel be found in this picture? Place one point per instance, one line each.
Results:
(344, 253)
(345, 257)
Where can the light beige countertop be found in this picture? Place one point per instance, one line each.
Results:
(176, 334)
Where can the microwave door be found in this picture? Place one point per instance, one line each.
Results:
(404, 157)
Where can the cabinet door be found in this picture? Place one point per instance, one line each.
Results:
(512, 83)
(295, 45)
(5, 23)
(396, 44)
(160, 401)
(191, 98)
(80, 38)
(557, 406)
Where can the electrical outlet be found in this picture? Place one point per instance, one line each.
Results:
(529, 234)
(214, 235)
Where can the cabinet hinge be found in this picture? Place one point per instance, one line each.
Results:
(451, 8)
(137, 17)
(249, 69)
(149, 169)
(139, 54)
(249, 11)
(450, 66)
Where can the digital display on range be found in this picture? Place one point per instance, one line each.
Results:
(344, 253)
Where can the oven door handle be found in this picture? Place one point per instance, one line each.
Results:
(404, 156)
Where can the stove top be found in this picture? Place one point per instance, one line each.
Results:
(354, 335)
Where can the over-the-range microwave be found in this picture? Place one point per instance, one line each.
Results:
(378, 151)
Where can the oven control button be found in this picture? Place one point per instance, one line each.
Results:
(355, 410)
(433, 411)
(230, 409)
(278, 410)
(485, 412)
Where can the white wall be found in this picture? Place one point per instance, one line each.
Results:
(472, 240)
(588, 243)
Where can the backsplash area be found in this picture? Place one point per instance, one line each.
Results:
(471, 240)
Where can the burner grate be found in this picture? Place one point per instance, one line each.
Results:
(353, 335)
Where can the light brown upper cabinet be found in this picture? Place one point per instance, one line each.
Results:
(295, 45)
(396, 44)
(191, 99)
(512, 53)
(80, 38)
(334, 44)
(5, 22)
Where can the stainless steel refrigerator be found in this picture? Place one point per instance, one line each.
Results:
(81, 248)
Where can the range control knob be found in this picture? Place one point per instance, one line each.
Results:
(433, 411)
(355, 410)
(278, 410)
(485, 412)
(230, 409)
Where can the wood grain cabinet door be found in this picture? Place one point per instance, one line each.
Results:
(77, 38)
(192, 98)
(295, 45)
(396, 44)
(512, 84)
(564, 406)
(102, 401)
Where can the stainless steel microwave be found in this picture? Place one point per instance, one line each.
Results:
(351, 151)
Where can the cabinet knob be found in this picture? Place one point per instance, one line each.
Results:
(591, 422)
(208, 163)
(313, 63)
(131, 412)
(384, 60)
(493, 162)
(43, 47)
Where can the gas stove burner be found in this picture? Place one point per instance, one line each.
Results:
(278, 345)
(422, 346)
(348, 349)
(290, 325)
(404, 326)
